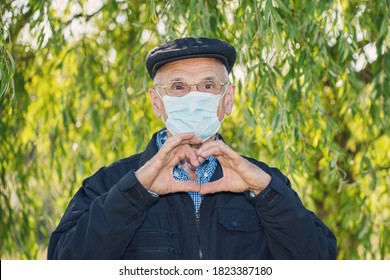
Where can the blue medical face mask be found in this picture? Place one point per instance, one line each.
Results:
(194, 112)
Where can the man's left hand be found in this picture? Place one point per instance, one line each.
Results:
(239, 174)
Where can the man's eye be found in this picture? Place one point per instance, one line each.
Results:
(177, 86)
(209, 85)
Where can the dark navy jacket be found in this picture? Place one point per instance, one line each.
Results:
(113, 216)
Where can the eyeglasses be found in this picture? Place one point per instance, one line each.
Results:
(182, 88)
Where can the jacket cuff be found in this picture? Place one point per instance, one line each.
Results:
(135, 193)
(271, 195)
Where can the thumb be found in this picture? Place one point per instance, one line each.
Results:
(186, 186)
(212, 187)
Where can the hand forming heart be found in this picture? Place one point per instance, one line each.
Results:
(238, 173)
(156, 174)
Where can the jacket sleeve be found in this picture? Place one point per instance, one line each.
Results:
(100, 221)
(292, 231)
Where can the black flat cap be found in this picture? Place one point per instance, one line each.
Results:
(190, 48)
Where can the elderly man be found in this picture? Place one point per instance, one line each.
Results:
(189, 195)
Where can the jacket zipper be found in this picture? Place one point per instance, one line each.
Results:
(197, 222)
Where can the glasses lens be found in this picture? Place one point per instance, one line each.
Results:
(210, 86)
(181, 88)
(178, 89)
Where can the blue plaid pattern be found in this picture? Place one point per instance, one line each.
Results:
(204, 171)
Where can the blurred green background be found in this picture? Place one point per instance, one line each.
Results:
(313, 81)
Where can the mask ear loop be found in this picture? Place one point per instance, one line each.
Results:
(162, 117)
(222, 95)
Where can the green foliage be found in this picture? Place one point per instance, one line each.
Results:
(313, 97)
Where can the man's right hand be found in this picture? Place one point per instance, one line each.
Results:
(157, 174)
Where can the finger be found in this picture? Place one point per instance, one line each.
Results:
(217, 149)
(193, 142)
(173, 143)
(186, 153)
(196, 141)
(181, 139)
(186, 186)
(212, 187)
(211, 151)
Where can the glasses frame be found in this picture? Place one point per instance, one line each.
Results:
(189, 86)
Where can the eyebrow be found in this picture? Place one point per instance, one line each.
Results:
(178, 79)
(210, 78)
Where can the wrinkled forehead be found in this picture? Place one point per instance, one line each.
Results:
(192, 70)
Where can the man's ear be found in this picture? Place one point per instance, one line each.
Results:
(156, 102)
(229, 99)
